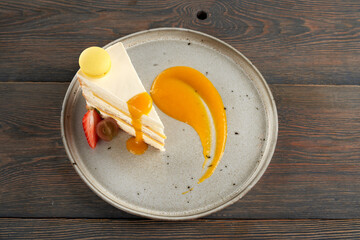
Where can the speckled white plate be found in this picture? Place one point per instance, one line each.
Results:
(151, 185)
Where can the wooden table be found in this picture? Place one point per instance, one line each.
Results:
(309, 53)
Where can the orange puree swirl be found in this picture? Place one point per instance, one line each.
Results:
(178, 92)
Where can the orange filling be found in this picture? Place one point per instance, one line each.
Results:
(161, 135)
(96, 96)
(138, 105)
(178, 92)
(123, 122)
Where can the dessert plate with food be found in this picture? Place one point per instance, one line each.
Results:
(168, 123)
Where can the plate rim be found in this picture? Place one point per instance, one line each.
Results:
(253, 179)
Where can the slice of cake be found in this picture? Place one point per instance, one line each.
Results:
(110, 84)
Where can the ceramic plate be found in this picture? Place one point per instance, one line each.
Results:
(152, 184)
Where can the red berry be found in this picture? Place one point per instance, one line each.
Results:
(89, 121)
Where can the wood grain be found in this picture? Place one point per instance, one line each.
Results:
(296, 42)
(314, 173)
(200, 229)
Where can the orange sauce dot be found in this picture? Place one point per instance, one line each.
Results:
(136, 147)
(138, 105)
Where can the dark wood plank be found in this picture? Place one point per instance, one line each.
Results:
(314, 173)
(296, 42)
(200, 229)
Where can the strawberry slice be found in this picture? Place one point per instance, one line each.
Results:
(89, 121)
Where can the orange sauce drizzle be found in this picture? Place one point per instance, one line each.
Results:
(178, 92)
(138, 105)
(188, 191)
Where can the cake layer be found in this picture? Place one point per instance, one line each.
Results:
(118, 111)
(130, 130)
(104, 107)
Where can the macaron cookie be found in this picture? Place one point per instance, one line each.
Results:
(95, 62)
